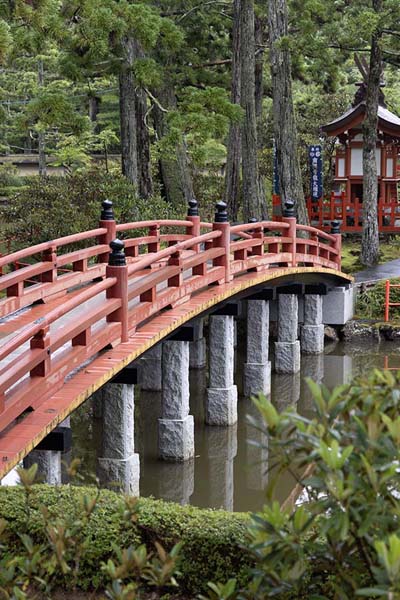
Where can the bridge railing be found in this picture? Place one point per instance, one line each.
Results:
(144, 275)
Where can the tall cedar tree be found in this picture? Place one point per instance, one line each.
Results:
(285, 131)
(253, 200)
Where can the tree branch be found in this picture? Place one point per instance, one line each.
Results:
(200, 6)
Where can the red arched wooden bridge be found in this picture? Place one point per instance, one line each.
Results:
(70, 319)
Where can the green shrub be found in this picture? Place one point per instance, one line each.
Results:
(211, 540)
(343, 540)
(57, 206)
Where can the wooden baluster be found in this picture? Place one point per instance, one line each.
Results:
(50, 255)
(41, 340)
(224, 241)
(154, 231)
(117, 267)
(175, 260)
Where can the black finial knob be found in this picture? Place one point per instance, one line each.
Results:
(335, 226)
(221, 215)
(289, 211)
(193, 210)
(117, 255)
(107, 214)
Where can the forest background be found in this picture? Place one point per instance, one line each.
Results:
(192, 94)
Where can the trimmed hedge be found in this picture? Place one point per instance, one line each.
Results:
(213, 541)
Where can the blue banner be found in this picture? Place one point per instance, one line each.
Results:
(315, 156)
(277, 187)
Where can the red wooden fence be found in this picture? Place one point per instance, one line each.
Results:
(107, 296)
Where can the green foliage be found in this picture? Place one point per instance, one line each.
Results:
(109, 529)
(343, 539)
(58, 206)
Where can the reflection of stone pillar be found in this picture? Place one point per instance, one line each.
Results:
(338, 370)
(176, 426)
(286, 390)
(312, 367)
(151, 370)
(312, 332)
(222, 449)
(257, 369)
(256, 452)
(119, 463)
(198, 348)
(176, 482)
(221, 405)
(49, 465)
(287, 348)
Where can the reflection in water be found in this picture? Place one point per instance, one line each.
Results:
(227, 471)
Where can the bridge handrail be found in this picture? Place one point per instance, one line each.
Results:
(315, 231)
(259, 225)
(155, 223)
(167, 252)
(56, 243)
(30, 330)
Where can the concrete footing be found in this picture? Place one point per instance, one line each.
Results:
(118, 464)
(257, 369)
(176, 426)
(221, 402)
(151, 369)
(287, 348)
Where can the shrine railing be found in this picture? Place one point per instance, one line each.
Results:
(111, 294)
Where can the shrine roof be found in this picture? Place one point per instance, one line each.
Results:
(388, 122)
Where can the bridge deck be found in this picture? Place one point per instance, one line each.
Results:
(20, 438)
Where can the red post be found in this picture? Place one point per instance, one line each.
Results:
(224, 241)
(387, 299)
(335, 231)
(108, 222)
(118, 268)
(289, 216)
(193, 216)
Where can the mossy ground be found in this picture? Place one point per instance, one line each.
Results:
(351, 247)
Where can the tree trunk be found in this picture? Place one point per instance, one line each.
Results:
(370, 232)
(253, 201)
(127, 103)
(285, 132)
(143, 145)
(41, 134)
(94, 109)
(175, 175)
(233, 160)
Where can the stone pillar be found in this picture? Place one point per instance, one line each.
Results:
(312, 332)
(287, 348)
(151, 369)
(49, 465)
(118, 462)
(222, 449)
(221, 402)
(176, 426)
(257, 369)
(176, 483)
(198, 348)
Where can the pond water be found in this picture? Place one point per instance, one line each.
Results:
(228, 472)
